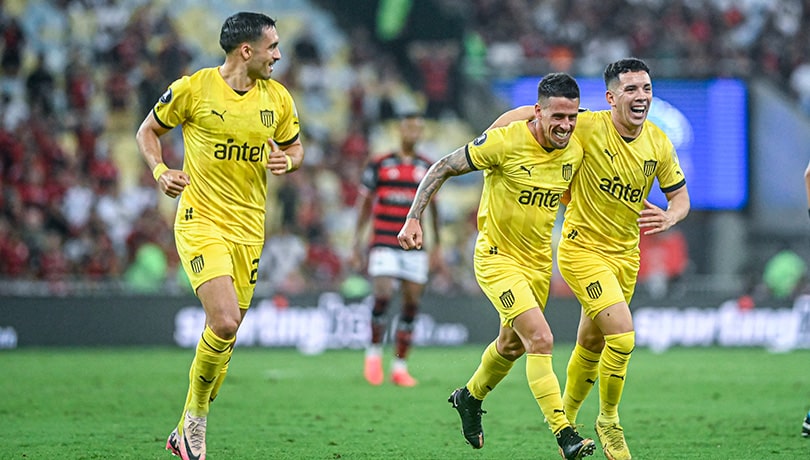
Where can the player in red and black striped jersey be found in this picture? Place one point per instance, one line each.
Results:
(388, 186)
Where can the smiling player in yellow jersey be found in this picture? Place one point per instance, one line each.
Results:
(237, 125)
(598, 255)
(527, 167)
(226, 134)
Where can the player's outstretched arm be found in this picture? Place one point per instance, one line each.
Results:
(454, 164)
(524, 112)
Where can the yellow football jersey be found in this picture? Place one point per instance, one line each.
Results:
(225, 138)
(523, 185)
(608, 193)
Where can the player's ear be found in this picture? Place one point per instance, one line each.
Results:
(609, 97)
(246, 51)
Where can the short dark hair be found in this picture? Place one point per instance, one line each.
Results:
(557, 84)
(410, 115)
(243, 27)
(614, 69)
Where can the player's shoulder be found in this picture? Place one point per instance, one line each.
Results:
(274, 87)
(657, 136)
(202, 76)
(586, 115)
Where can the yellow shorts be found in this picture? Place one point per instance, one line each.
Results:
(206, 256)
(511, 287)
(597, 280)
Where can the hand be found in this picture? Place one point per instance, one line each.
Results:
(172, 182)
(655, 219)
(410, 237)
(277, 161)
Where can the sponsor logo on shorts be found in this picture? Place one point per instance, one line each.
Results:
(507, 299)
(594, 290)
(197, 264)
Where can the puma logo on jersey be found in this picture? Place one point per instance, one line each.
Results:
(220, 115)
(528, 170)
(611, 155)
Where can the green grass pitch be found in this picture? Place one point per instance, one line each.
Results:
(278, 404)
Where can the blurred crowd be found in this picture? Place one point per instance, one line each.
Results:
(78, 208)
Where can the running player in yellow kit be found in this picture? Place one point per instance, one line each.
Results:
(237, 125)
(527, 167)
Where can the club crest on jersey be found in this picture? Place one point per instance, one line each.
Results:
(166, 97)
(649, 167)
(268, 117)
(567, 171)
(480, 139)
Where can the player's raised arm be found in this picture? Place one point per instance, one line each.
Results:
(453, 164)
(524, 112)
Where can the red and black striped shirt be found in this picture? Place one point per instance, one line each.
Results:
(393, 179)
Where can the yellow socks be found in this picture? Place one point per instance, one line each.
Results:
(493, 369)
(612, 371)
(209, 364)
(583, 367)
(546, 390)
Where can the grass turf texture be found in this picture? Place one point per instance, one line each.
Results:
(277, 404)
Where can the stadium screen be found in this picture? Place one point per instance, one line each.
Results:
(707, 120)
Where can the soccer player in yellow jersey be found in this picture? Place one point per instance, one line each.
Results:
(527, 168)
(598, 255)
(237, 125)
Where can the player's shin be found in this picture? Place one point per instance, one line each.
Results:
(212, 354)
(582, 371)
(490, 372)
(546, 390)
(612, 372)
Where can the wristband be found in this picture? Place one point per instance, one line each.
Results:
(160, 168)
(289, 162)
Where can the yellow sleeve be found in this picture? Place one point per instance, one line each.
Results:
(174, 106)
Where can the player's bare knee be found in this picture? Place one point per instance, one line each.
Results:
(540, 342)
(511, 350)
(591, 342)
(224, 327)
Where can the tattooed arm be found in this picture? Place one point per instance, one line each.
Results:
(454, 164)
